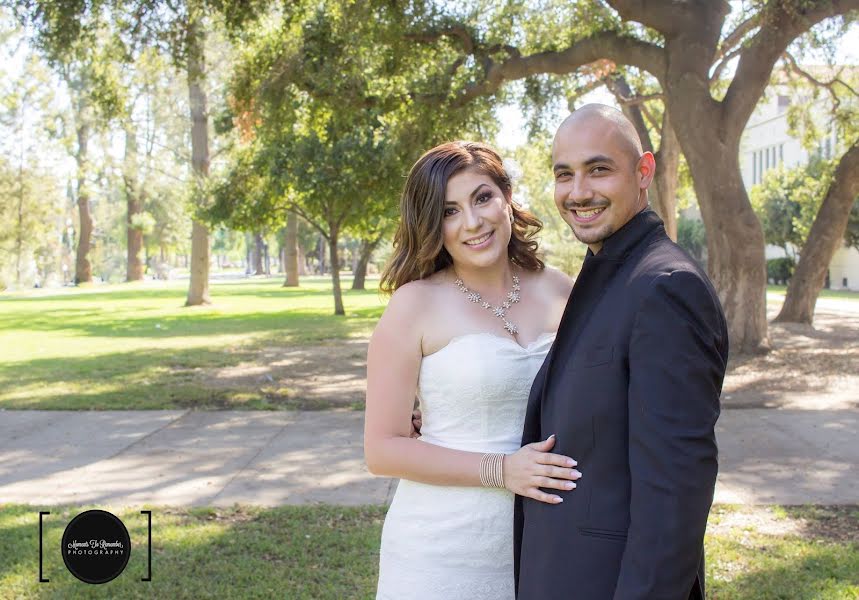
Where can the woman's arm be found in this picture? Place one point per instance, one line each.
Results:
(393, 364)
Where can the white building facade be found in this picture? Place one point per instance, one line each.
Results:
(766, 145)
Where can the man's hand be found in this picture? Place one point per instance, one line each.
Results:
(416, 424)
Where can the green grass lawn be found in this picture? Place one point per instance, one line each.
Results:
(322, 552)
(136, 346)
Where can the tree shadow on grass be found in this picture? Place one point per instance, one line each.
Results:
(803, 361)
(142, 379)
(819, 572)
(819, 558)
(271, 288)
(287, 325)
(837, 523)
(274, 370)
(243, 552)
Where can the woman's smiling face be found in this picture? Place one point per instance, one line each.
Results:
(476, 226)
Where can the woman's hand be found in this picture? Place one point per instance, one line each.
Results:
(532, 467)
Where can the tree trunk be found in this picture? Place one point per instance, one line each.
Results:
(19, 230)
(291, 251)
(198, 289)
(320, 249)
(664, 200)
(335, 271)
(663, 190)
(258, 255)
(735, 241)
(824, 239)
(134, 203)
(360, 274)
(710, 141)
(302, 262)
(83, 269)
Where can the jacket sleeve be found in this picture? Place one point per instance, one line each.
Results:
(677, 358)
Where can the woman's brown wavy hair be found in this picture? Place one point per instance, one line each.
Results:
(418, 243)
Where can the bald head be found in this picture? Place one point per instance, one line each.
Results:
(613, 122)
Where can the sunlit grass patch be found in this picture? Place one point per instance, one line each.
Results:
(136, 346)
(241, 552)
(323, 552)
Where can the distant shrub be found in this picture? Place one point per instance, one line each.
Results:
(780, 270)
(692, 237)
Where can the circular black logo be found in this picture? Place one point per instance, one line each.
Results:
(96, 546)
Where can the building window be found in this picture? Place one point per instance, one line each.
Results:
(781, 154)
(759, 158)
(827, 148)
(754, 168)
(783, 103)
(844, 282)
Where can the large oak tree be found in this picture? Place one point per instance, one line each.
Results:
(684, 44)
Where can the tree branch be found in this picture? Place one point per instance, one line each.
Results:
(587, 88)
(828, 85)
(618, 48)
(757, 59)
(717, 72)
(460, 32)
(618, 86)
(651, 118)
(665, 16)
(634, 99)
(736, 37)
(294, 207)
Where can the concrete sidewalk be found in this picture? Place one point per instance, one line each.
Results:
(190, 458)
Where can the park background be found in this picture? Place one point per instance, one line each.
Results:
(198, 195)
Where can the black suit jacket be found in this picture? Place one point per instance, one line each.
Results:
(631, 389)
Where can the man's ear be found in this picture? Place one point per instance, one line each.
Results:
(646, 169)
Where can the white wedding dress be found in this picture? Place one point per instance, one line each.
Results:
(446, 542)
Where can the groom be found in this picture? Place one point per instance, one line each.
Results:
(631, 389)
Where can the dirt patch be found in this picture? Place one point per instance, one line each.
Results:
(322, 376)
(809, 367)
(829, 523)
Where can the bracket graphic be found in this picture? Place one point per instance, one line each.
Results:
(41, 577)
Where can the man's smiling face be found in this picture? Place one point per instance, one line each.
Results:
(601, 175)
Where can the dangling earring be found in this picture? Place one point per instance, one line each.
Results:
(512, 219)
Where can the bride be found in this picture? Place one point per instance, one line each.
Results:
(472, 315)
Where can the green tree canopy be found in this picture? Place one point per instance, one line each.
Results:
(333, 118)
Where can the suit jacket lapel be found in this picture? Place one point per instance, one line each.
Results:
(597, 272)
(575, 305)
(592, 282)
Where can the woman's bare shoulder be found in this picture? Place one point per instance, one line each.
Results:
(554, 281)
(410, 303)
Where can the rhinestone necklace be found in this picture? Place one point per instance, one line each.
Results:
(498, 311)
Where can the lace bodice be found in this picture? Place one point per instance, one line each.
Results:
(474, 391)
